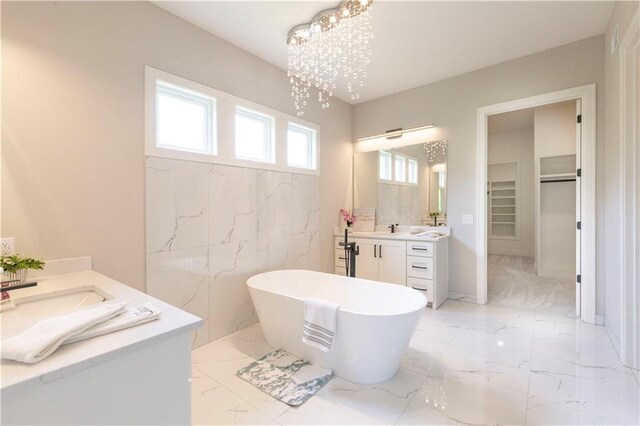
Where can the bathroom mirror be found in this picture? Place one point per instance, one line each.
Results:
(406, 185)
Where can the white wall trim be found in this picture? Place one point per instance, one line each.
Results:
(587, 94)
(629, 310)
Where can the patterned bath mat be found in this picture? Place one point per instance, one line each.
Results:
(285, 377)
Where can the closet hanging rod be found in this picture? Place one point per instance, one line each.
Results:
(557, 180)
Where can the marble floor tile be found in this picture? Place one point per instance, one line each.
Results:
(381, 403)
(223, 358)
(254, 396)
(449, 399)
(584, 376)
(451, 313)
(500, 322)
(465, 364)
(418, 361)
(216, 405)
(542, 411)
(512, 281)
(549, 327)
(477, 356)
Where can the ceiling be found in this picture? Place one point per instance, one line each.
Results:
(415, 42)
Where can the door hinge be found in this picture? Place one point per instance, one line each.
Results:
(579, 172)
(579, 225)
(579, 118)
(578, 278)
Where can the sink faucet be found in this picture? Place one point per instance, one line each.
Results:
(393, 227)
(10, 285)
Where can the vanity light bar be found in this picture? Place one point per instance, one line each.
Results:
(396, 133)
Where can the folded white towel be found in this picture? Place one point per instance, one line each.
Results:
(129, 318)
(43, 338)
(319, 323)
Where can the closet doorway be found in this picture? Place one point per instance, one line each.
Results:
(532, 211)
(536, 204)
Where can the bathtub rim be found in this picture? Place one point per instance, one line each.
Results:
(350, 311)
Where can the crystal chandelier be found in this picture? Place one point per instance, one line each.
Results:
(335, 43)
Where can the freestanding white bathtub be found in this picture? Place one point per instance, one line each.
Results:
(374, 325)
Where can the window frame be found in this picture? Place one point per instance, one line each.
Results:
(312, 136)
(406, 158)
(417, 166)
(224, 132)
(390, 169)
(269, 134)
(186, 94)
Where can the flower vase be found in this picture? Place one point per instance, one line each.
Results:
(17, 277)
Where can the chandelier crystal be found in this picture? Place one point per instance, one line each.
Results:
(336, 43)
(432, 148)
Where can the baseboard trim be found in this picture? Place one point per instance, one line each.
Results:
(599, 320)
(462, 297)
(613, 336)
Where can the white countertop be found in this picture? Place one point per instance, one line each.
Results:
(75, 357)
(403, 236)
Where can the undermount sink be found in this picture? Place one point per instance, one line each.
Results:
(21, 312)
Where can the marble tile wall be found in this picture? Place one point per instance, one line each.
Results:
(210, 227)
(398, 204)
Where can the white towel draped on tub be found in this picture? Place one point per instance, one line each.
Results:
(43, 338)
(319, 323)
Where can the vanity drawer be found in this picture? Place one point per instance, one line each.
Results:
(420, 267)
(340, 271)
(416, 248)
(425, 286)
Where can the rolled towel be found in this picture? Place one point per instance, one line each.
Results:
(319, 323)
(43, 338)
(130, 318)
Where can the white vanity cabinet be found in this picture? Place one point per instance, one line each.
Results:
(422, 265)
(427, 269)
(379, 260)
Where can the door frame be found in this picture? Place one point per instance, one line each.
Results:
(629, 267)
(587, 95)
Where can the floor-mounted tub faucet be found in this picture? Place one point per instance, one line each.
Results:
(350, 253)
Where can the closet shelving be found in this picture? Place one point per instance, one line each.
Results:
(503, 201)
(561, 168)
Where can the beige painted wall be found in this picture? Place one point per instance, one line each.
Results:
(620, 19)
(73, 124)
(452, 103)
(516, 147)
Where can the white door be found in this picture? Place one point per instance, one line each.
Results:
(578, 204)
(392, 256)
(367, 260)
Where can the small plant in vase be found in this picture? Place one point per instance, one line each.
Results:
(348, 217)
(15, 267)
(434, 215)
